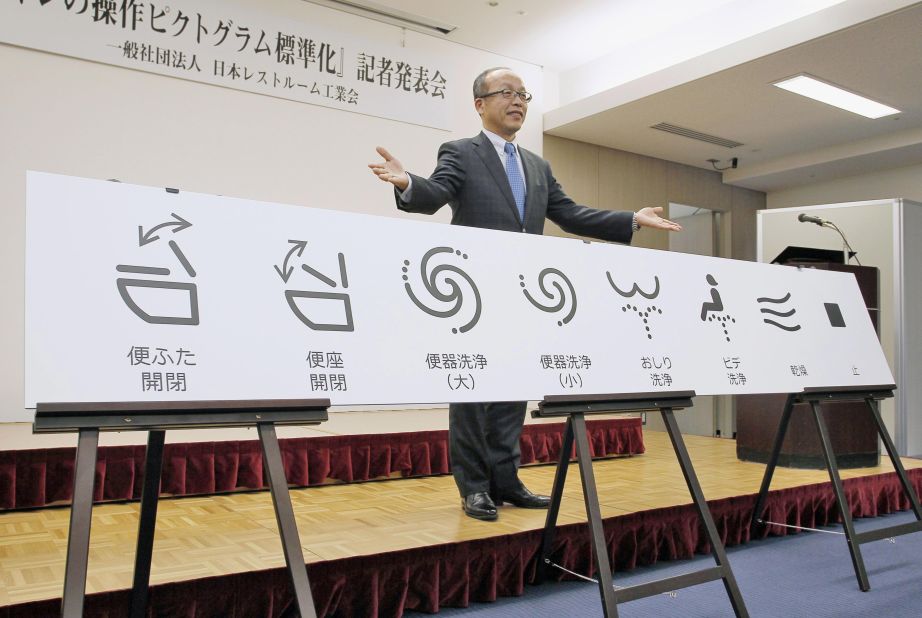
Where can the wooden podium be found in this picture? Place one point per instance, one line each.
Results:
(852, 430)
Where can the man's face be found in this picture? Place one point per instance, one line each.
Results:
(498, 114)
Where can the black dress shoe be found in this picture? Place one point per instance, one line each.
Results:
(523, 498)
(479, 506)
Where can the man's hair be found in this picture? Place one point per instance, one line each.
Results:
(480, 81)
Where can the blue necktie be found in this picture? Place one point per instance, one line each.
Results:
(516, 182)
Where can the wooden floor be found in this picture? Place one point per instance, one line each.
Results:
(200, 537)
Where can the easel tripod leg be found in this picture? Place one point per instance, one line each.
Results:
(81, 516)
(759, 508)
(593, 512)
(895, 459)
(844, 509)
(150, 495)
(704, 513)
(284, 515)
(550, 522)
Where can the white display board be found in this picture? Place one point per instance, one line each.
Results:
(138, 293)
(227, 43)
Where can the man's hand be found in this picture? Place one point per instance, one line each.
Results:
(650, 217)
(391, 170)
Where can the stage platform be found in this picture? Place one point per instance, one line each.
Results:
(36, 470)
(382, 548)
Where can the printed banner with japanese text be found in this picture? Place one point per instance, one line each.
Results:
(138, 293)
(225, 44)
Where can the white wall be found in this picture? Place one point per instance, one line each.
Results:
(79, 118)
(697, 235)
(897, 182)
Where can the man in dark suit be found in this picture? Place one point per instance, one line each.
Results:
(489, 182)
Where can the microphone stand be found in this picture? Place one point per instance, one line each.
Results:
(846, 247)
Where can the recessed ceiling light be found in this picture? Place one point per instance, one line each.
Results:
(813, 88)
(384, 13)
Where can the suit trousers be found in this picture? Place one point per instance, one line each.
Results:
(483, 441)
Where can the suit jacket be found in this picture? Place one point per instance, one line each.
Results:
(472, 180)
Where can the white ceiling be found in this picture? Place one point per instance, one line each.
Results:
(788, 139)
(542, 31)
(722, 84)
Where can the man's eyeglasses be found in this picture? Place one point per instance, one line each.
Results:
(508, 94)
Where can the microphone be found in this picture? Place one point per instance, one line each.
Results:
(805, 218)
(847, 250)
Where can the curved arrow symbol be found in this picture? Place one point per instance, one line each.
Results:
(286, 270)
(148, 237)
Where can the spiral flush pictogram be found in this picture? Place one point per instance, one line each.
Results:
(445, 283)
(559, 296)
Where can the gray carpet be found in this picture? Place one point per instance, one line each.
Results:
(808, 574)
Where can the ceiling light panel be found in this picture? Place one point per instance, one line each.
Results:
(389, 15)
(813, 88)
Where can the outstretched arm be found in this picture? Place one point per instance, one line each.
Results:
(650, 217)
(390, 170)
(422, 195)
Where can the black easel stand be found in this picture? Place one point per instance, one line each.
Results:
(815, 396)
(88, 419)
(575, 408)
